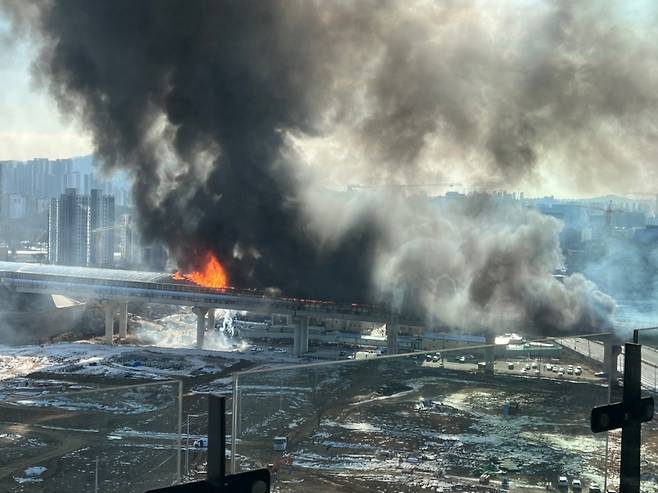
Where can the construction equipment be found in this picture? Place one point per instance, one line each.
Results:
(608, 212)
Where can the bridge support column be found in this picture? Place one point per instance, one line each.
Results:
(211, 319)
(110, 310)
(489, 356)
(123, 320)
(300, 345)
(611, 352)
(392, 329)
(200, 313)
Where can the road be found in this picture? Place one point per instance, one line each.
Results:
(594, 350)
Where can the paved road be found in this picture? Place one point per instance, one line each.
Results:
(594, 350)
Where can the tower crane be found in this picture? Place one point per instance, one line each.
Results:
(608, 212)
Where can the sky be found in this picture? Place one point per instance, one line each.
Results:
(30, 123)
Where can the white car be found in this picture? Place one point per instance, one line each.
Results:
(200, 443)
(549, 367)
(578, 371)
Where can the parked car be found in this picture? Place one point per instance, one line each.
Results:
(510, 366)
(201, 443)
(578, 371)
(576, 485)
(562, 483)
(549, 367)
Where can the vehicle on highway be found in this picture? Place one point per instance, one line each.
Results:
(283, 350)
(601, 374)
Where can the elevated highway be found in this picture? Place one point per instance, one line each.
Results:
(115, 288)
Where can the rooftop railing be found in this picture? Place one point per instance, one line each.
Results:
(436, 420)
(125, 439)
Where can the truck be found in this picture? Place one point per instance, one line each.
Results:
(365, 355)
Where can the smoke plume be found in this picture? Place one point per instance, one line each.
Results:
(235, 117)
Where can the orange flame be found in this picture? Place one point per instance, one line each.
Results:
(210, 275)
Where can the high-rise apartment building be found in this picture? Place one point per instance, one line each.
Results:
(68, 226)
(101, 229)
(81, 229)
(131, 250)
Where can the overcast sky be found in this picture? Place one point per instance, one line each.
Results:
(30, 123)
(32, 126)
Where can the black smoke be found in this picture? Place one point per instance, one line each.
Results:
(215, 107)
(225, 80)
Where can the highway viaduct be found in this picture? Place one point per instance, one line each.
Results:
(115, 288)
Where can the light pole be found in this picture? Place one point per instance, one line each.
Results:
(187, 441)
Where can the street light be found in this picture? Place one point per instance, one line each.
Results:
(187, 440)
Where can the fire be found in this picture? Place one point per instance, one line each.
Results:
(211, 274)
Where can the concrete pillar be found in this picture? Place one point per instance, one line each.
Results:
(211, 319)
(300, 345)
(200, 313)
(109, 310)
(123, 320)
(392, 329)
(489, 354)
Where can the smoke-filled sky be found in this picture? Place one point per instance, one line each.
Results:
(235, 118)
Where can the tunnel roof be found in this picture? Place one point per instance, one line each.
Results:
(85, 272)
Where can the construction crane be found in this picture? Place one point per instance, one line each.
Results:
(609, 211)
(351, 188)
